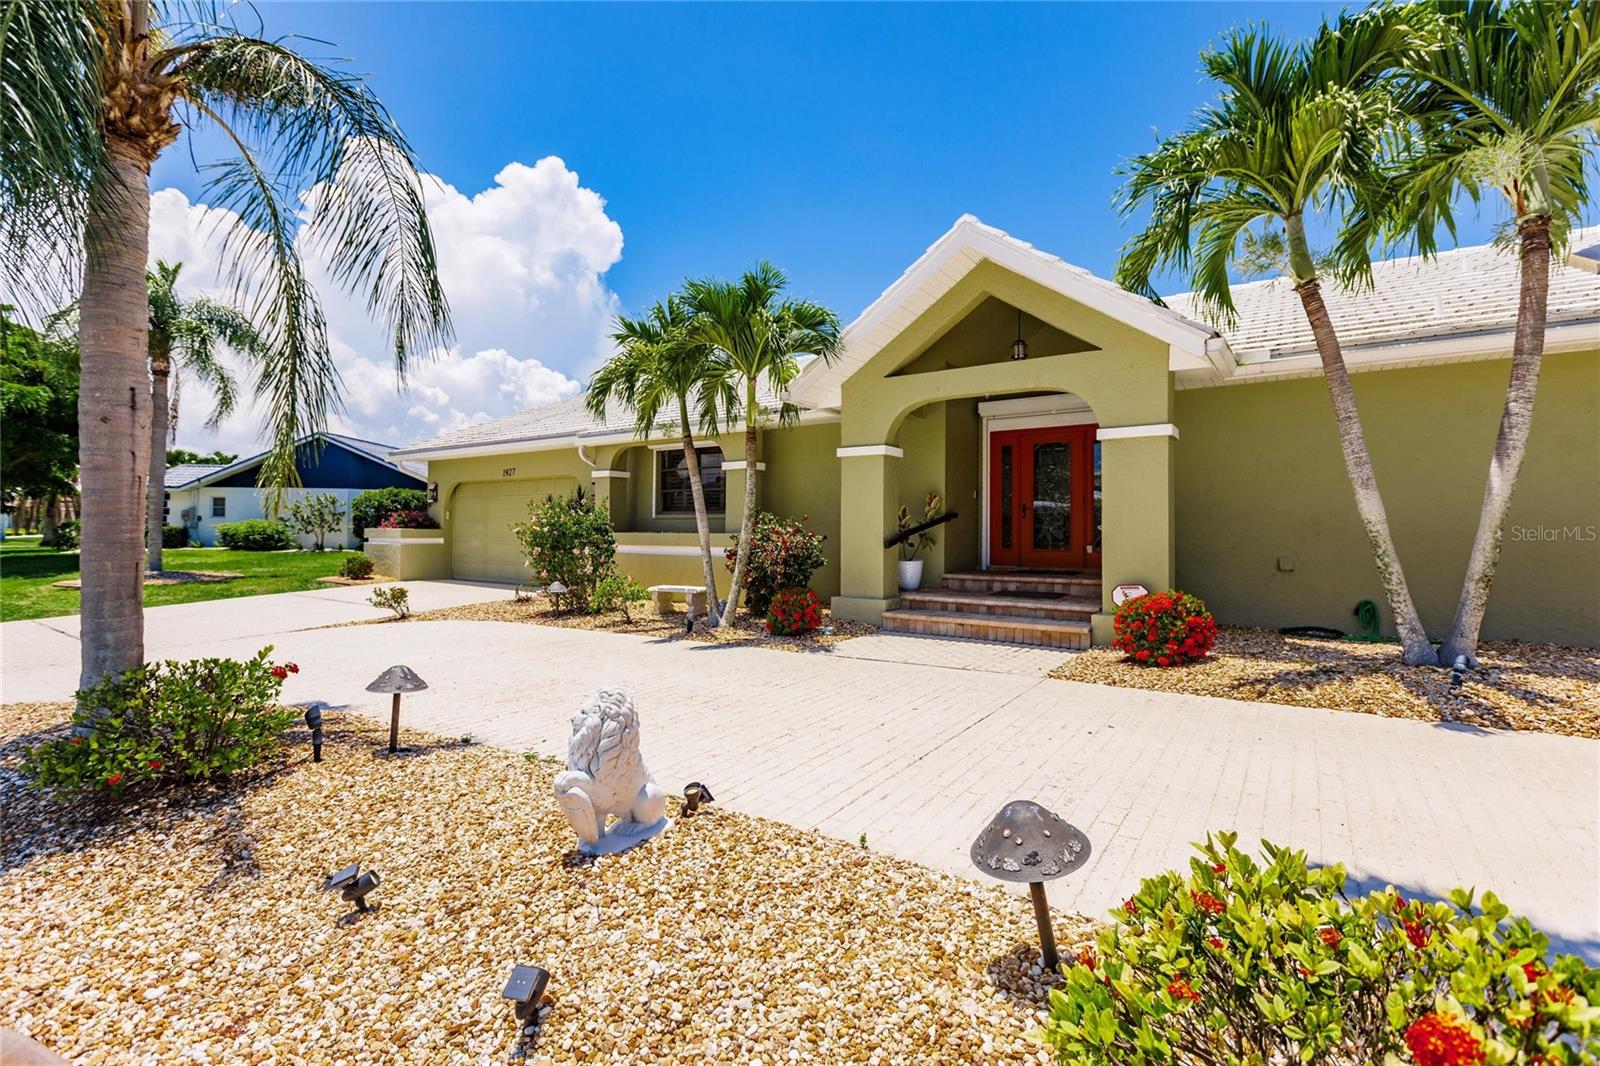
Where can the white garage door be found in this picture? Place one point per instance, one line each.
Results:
(481, 513)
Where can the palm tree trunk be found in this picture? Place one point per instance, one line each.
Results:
(1415, 647)
(48, 521)
(160, 370)
(1516, 419)
(702, 521)
(746, 520)
(114, 415)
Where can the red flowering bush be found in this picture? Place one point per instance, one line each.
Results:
(1164, 628)
(1241, 961)
(1437, 1039)
(793, 612)
(170, 721)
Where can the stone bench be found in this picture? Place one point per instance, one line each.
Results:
(663, 597)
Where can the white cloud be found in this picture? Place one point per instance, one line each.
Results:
(522, 264)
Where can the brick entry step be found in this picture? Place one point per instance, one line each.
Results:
(1045, 608)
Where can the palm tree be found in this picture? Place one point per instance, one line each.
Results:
(184, 335)
(758, 337)
(659, 367)
(1297, 130)
(1509, 103)
(94, 93)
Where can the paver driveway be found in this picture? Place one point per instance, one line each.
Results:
(917, 757)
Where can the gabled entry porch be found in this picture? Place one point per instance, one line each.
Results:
(1038, 401)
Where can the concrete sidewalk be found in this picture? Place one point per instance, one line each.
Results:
(39, 657)
(918, 757)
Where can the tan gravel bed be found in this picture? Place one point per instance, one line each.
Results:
(643, 621)
(1541, 687)
(191, 928)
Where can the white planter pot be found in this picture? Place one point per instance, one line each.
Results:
(910, 574)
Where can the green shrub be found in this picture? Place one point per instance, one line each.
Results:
(392, 597)
(568, 540)
(174, 536)
(1242, 963)
(373, 506)
(255, 535)
(784, 554)
(793, 612)
(67, 536)
(617, 591)
(316, 516)
(171, 721)
(356, 567)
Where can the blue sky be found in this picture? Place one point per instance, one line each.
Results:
(837, 140)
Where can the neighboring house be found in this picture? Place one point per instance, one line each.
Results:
(1130, 443)
(203, 497)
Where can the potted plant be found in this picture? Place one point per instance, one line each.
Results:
(912, 546)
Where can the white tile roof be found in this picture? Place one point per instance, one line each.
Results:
(1457, 293)
(1460, 292)
(560, 420)
(183, 474)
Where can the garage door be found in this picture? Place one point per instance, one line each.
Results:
(481, 513)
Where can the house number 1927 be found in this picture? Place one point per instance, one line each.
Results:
(508, 471)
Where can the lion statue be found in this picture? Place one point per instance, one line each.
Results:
(605, 776)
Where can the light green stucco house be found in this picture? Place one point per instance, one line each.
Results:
(1133, 443)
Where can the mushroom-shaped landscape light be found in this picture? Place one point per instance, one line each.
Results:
(1029, 845)
(396, 679)
(555, 590)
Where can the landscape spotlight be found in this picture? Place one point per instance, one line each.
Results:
(353, 885)
(694, 794)
(1026, 843)
(396, 679)
(525, 989)
(314, 723)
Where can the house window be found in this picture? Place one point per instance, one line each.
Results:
(673, 494)
(219, 507)
(166, 507)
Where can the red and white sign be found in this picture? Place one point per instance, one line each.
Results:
(1123, 593)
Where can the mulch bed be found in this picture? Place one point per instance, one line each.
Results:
(337, 580)
(644, 621)
(190, 926)
(167, 577)
(1545, 688)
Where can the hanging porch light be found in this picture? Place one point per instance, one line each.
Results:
(1019, 347)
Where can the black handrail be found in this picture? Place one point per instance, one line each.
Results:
(906, 534)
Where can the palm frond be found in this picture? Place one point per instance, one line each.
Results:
(754, 335)
(300, 127)
(1296, 130)
(50, 144)
(1510, 102)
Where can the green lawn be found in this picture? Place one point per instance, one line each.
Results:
(27, 571)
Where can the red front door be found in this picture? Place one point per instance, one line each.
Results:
(1044, 498)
